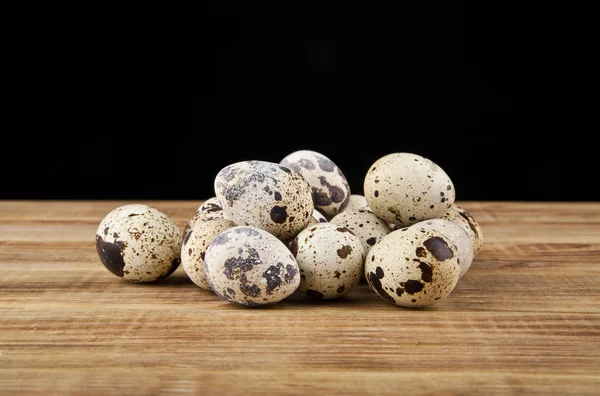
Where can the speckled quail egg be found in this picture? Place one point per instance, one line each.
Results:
(394, 227)
(248, 266)
(357, 201)
(364, 224)
(265, 195)
(212, 208)
(457, 235)
(330, 258)
(195, 243)
(405, 188)
(139, 243)
(330, 189)
(460, 216)
(317, 217)
(413, 267)
(208, 210)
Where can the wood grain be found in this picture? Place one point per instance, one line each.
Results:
(524, 320)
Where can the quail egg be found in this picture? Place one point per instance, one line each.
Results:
(248, 266)
(364, 224)
(357, 201)
(413, 267)
(208, 210)
(460, 216)
(265, 195)
(317, 217)
(405, 188)
(330, 258)
(330, 189)
(139, 243)
(195, 243)
(457, 235)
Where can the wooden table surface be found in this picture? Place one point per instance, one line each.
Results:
(524, 320)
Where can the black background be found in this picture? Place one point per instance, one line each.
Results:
(150, 102)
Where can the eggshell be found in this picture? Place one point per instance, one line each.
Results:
(413, 267)
(195, 242)
(317, 217)
(364, 224)
(208, 210)
(460, 216)
(330, 189)
(405, 188)
(357, 201)
(457, 235)
(330, 258)
(248, 266)
(265, 195)
(139, 243)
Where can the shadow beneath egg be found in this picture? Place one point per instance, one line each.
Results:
(360, 296)
(176, 279)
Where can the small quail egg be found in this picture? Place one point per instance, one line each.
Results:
(460, 216)
(330, 189)
(317, 217)
(412, 267)
(248, 266)
(357, 201)
(405, 188)
(457, 235)
(195, 243)
(265, 195)
(330, 258)
(364, 224)
(208, 210)
(139, 243)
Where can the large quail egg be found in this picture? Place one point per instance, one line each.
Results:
(139, 243)
(330, 258)
(405, 188)
(457, 235)
(330, 189)
(413, 267)
(460, 216)
(248, 266)
(265, 195)
(193, 249)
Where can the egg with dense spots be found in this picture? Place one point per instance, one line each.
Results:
(248, 266)
(330, 189)
(405, 188)
(138, 243)
(265, 195)
(330, 258)
(413, 267)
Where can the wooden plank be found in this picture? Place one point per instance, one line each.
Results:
(524, 320)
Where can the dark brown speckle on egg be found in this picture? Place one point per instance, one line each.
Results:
(111, 255)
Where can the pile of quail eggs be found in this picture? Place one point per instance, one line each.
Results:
(273, 229)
